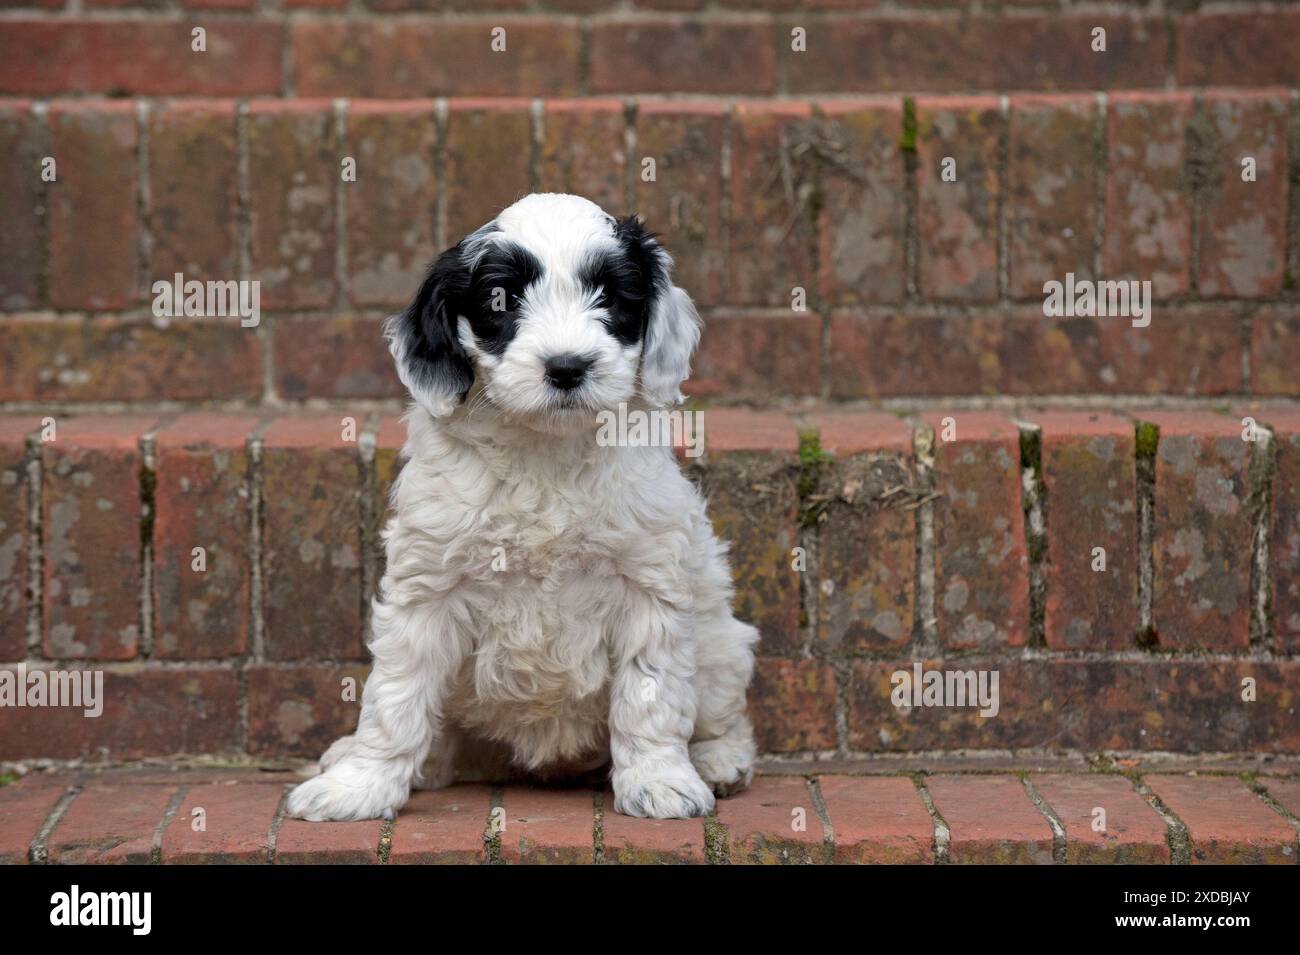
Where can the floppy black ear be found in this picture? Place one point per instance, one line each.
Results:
(424, 342)
(672, 326)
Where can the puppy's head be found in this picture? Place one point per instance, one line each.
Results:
(554, 311)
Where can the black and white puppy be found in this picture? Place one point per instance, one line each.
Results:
(566, 599)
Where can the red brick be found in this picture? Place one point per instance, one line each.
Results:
(1285, 557)
(444, 826)
(983, 52)
(478, 190)
(24, 807)
(1133, 832)
(1228, 48)
(737, 430)
(1026, 353)
(1274, 352)
(110, 822)
(957, 221)
(684, 201)
(293, 172)
(1203, 534)
(772, 230)
(547, 826)
(236, 821)
(301, 710)
(991, 820)
(1148, 206)
(584, 151)
(1088, 463)
(866, 534)
(412, 58)
(981, 563)
(792, 704)
(193, 192)
(91, 520)
(1285, 791)
(327, 843)
(14, 541)
(1051, 212)
(146, 713)
(22, 147)
(757, 357)
(1243, 226)
(202, 499)
(860, 232)
(107, 358)
(390, 206)
(92, 206)
(143, 57)
(333, 356)
(630, 841)
(1226, 822)
(668, 54)
(773, 822)
(311, 556)
(877, 820)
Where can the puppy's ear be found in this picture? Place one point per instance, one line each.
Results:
(424, 341)
(672, 327)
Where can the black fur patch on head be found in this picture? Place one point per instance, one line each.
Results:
(434, 359)
(497, 288)
(629, 281)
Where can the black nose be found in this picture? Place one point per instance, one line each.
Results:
(566, 371)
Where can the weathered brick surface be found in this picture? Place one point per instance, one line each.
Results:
(311, 560)
(866, 533)
(91, 514)
(753, 356)
(233, 826)
(548, 826)
(330, 843)
(106, 358)
(202, 499)
(391, 205)
(792, 704)
(1126, 830)
(93, 214)
(774, 822)
(1274, 351)
(981, 563)
(1285, 791)
(1243, 230)
(991, 820)
(753, 503)
(1091, 482)
(1203, 533)
(1051, 212)
(1285, 556)
(877, 820)
(301, 710)
(444, 826)
(1226, 822)
(957, 211)
(24, 807)
(293, 174)
(21, 148)
(1231, 48)
(682, 55)
(860, 228)
(584, 151)
(193, 192)
(14, 536)
(333, 356)
(629, 841)
(683, 203)
(110, 822)
(476, 190)
(1148, 207)
(771, 195)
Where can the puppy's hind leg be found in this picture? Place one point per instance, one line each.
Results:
(722, 747)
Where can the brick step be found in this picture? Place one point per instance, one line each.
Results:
(234, 816)
(215, 570)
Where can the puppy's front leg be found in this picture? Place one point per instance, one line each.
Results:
(652, 716)
(417, 650)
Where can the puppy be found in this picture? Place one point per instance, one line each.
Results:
(565, 599)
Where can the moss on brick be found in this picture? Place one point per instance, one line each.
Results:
(907, 141)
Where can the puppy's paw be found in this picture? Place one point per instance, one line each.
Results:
(669, 793)
(338, 750)
(727, 765)
(349, 790)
